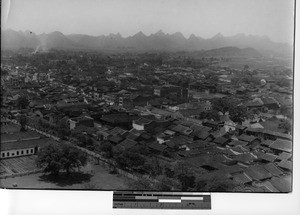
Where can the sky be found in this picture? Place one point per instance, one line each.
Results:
(205, 18)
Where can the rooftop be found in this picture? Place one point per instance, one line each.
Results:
(282, 145)
(246, 138)
(258, 173)
(26, 144)
(19, 136)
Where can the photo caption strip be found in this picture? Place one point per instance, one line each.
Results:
(161, 200)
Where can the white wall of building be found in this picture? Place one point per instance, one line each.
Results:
(16, 153)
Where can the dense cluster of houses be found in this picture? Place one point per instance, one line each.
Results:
(126, 111)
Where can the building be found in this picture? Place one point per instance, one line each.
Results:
(168, 90)
(81, 120)
(22, 143)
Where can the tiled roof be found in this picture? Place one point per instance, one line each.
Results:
(242, 178)
(26, 144)
(19, 136)
(266, 156)
(238, 143)
(258, 172)
(142, 121)
(182, 129)
(127, 144)
(220, 140)
(284, 156)
(285, 164)
(157, 146)
(246, 138)
(283, 184)
(271, 168)
(282, 145)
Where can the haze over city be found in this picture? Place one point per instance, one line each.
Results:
(203, 18)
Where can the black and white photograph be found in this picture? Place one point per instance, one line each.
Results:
(140, 95)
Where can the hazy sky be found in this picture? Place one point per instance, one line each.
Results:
(204, 18)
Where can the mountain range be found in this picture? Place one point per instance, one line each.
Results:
(159, 41)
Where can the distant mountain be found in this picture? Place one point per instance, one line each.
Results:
(11, 39)
(158, 41)
(56, 40)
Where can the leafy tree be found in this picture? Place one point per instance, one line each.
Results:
(238, 114)
(23, 122)
(185, 175)
(23, 102)
(57, 157)
(222, 105)
(130, 160)
(107, 149)
(211, 115)
(153, 167)
(169, 172)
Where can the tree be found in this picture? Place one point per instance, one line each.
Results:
(23, 122)
(57, 157)
(185, 175)
(130, 160)
(211, 115)
(153, 167)
(23, 102)
(238, 114)
(107, 149)
(222, 105)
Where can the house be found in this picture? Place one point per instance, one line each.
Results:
(256, 103)
(270, 103)
(127, 144)
(240, 129)
(280, 146)
(248, 139)
(221, 141)
(178, 142)
(238, 143)
(258, 173)
(283, 183)
(266, 143)
(23, 147)
(242, 178)
(286, 165)
(81, 120)
(265, 157)
(130, 101)
(271, 168)
(267, 134)
(115, 139)
(142, 124)
(181, 129)
(103, 133)
(162, 138)
(117, 120)
(284, 156)
(156, 147)
(213, 124)
(244, 159)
